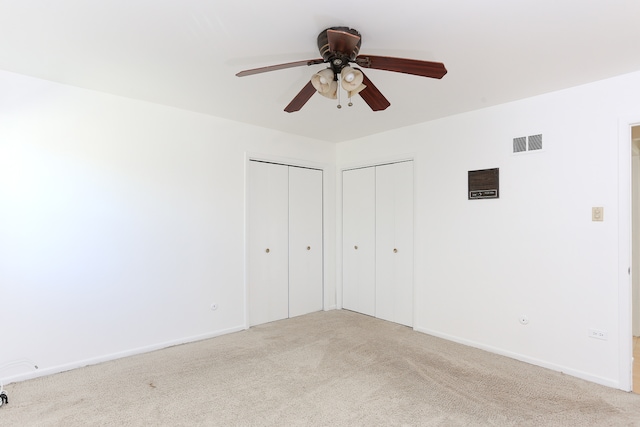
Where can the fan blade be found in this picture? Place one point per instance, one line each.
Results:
(280, 67)
(372, 96)
(301, 98)
(416, 67)
(342, 41)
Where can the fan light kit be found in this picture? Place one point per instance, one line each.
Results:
(339, 46)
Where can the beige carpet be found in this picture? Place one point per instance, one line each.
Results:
(332, 368)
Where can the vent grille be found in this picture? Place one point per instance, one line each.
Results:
(519, 144)
(527, 143)
(535, 142)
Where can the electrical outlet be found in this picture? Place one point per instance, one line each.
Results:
(597, 213)
(599, 334)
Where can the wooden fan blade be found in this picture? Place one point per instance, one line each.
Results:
(342, 41)
(301, 98)
(372, 96)
(280, 67)
(416, 67)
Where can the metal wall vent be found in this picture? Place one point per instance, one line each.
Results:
(520, 144)
(535, 142)
(527, 143)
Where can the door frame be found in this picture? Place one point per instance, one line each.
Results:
(328, 224)
(625, 338)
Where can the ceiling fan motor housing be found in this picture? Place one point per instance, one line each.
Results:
(344, 50)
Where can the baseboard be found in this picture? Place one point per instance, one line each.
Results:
(113, 356)
(523, 358)
(333, 307)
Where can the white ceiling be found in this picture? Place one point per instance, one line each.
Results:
(185, 53)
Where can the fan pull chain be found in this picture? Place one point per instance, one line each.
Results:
(350, 104)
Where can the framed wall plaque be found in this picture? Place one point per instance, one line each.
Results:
(484, 184)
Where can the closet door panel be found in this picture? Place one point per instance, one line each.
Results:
(268, 243)
(394, 242)
(358, 240)
(305, 241)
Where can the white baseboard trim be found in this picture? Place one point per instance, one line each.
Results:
(113, 356)
(523, 358)
(333, 307)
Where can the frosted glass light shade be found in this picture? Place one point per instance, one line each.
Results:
(352, 80)
(324, 82)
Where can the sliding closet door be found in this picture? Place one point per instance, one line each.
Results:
(305, 241)
(358, 240)
(394, 242)
(268, 229)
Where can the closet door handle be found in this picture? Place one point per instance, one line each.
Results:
(355, 247)
(395, 251)
(308, 248)
(267, 250)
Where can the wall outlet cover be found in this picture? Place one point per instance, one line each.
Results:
(598, 334)
(597, 213)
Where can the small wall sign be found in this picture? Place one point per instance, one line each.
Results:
(484, 184)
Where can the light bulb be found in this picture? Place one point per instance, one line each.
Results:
(323, 80)
(349, 77)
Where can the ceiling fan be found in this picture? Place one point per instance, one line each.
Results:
(340, 46)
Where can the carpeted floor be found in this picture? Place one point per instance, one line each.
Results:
(334, 368)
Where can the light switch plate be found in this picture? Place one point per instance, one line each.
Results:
(597, 213)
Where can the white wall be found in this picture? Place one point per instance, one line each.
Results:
(481, 264)
(121, 222)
